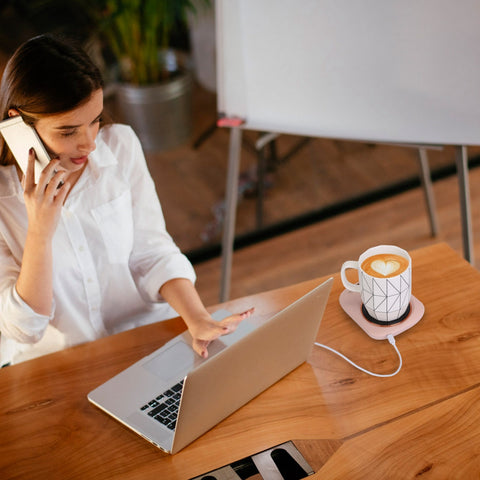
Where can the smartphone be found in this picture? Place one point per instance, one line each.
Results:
(20, 137)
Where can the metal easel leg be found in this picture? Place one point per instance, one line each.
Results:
(231, 198)
(461, 159)
(261, 177)
(426, 180)
(266, 139)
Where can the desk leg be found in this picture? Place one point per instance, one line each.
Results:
(461, 159)
(231, 198)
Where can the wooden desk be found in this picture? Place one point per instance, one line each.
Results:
(424, 422)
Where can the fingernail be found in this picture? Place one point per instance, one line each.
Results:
(30, 151)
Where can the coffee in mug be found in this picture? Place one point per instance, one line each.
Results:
(385, 283)
(385, 265)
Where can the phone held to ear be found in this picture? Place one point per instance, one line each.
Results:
(20, 137)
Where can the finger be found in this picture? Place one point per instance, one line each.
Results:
(56, 182)
(47, 173)
(230, 323)
(29, 176)
(247, 313)
(62, 192)
(201, 347)
(238, 317)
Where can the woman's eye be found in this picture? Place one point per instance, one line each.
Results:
(67, 133)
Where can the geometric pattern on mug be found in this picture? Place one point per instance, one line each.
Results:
(386, 296)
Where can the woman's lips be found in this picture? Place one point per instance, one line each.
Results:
(79, 160)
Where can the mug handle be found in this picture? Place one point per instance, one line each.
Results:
(353, 287)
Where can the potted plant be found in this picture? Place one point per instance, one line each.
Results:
(155, 84)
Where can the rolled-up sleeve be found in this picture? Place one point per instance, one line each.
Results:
(17, 319)
(155, 257)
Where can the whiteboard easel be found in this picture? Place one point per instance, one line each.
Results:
(404, 71)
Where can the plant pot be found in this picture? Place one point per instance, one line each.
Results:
(160, 114)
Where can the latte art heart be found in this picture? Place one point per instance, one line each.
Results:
(385, 268)
(385, 265)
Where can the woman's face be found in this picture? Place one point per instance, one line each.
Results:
(70, 136)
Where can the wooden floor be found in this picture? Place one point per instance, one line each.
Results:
(190, 182)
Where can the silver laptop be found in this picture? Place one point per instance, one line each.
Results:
(173, 396)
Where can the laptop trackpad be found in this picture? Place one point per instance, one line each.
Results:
(170, 363)
(179, 359)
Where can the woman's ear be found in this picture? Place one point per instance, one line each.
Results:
(12, 112)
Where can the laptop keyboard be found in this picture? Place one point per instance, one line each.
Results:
(164, 407)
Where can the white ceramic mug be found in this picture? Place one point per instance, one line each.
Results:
(386, 288)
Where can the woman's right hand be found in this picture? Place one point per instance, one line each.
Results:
(44, 200)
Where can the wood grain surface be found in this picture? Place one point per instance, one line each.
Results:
(421, 423)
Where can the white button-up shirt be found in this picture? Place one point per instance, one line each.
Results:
(111, 254)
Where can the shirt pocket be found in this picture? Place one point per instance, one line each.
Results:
(115, 222)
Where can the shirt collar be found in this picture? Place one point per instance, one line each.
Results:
(102, 156)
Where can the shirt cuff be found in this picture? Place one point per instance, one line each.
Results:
(24, 325)
(179, 267)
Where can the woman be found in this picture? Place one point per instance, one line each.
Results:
(84, 252)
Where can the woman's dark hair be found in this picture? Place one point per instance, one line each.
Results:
(46, 75)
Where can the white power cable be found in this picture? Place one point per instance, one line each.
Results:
(391, 340)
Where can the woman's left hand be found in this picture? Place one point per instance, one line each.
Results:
(209, 330)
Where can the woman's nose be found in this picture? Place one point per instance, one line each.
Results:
(87, 142)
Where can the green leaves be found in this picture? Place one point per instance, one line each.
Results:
(137, 30)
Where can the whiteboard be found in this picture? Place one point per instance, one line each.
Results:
(404, 71)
